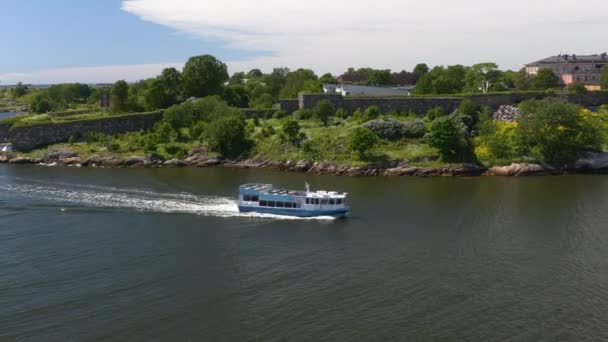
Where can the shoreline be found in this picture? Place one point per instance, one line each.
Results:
(596, 163)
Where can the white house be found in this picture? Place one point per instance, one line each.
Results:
(361, 90)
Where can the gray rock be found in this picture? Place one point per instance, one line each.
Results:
(136, 161)
(592, 162)
(175, 163)
(517, 169)
(57, 155)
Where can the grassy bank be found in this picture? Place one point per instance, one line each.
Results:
(62, 117)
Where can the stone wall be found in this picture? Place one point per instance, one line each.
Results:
(289, 105)
(31, 137)
(420, 105)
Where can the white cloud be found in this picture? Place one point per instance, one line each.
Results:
(397, 34)
(99, 74)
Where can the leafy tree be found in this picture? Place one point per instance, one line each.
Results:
(481, 77)
(236, 95)
(118, 97)
(262, 102)
(421, 69)
(323, 110)
(555, 131)
(327, 79)
(296, 81)
(604, 78)
(362, 140)
(441, 80)
(448, 136)
(254, 73)
(164, 91)
(545, 79)
(18, 90)
(380, 77)
(41, 104)
(203, 76)
(227, 135)
(237, 78)
(291, 130)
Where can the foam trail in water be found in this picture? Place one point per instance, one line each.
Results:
(99, 197)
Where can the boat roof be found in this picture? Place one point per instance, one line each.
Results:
(271, 190)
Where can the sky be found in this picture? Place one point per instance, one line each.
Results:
(54, 41)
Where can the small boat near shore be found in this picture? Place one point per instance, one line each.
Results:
(266, 199)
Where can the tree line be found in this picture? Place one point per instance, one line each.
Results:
(207, 76)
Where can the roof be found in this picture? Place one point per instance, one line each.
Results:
(561, 59)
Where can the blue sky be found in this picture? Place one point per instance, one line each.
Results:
(72, 33)
(52, 41)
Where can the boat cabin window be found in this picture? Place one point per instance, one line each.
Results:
(324, 201)
(280, 204)
(255, 198)
(272, 204)
(332, 201)
(338, 201)
(263, 203)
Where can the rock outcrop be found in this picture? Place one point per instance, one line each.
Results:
(517, 169)
(592, 162)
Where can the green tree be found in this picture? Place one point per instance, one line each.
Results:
(41, 104)
(556, 132)
(119, 95)
(164, 91)
(291, 130)
(604, 78)
(296, 81)
(227, 135)
(481, 77)
(203, 76)
(380, 77)
(327, 79)
(362, 140)
(18, 90)
(236, 95)
(324, 110)
(448, 136)
(237, 78)
(421, 69)
(545, 79)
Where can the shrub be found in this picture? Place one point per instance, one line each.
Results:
(556, 131)
(391, 129)
(324, 109)
(372, 113)
(267, 131)
(279, 114)
(362, 140)
(342, 113)
(291, 131)
(176, 150)
(435, 113)
(304, 114)
(447, 134)
(497, 142)
(414, 129)
(227, 135)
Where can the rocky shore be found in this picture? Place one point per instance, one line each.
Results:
(595, 163)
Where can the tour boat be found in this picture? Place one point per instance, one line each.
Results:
(265, 199)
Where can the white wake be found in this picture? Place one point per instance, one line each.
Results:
(138, 200)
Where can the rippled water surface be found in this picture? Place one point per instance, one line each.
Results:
(164, 255)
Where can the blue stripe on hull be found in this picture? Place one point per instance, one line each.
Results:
(294, 212)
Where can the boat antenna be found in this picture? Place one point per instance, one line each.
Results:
(307, 188)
